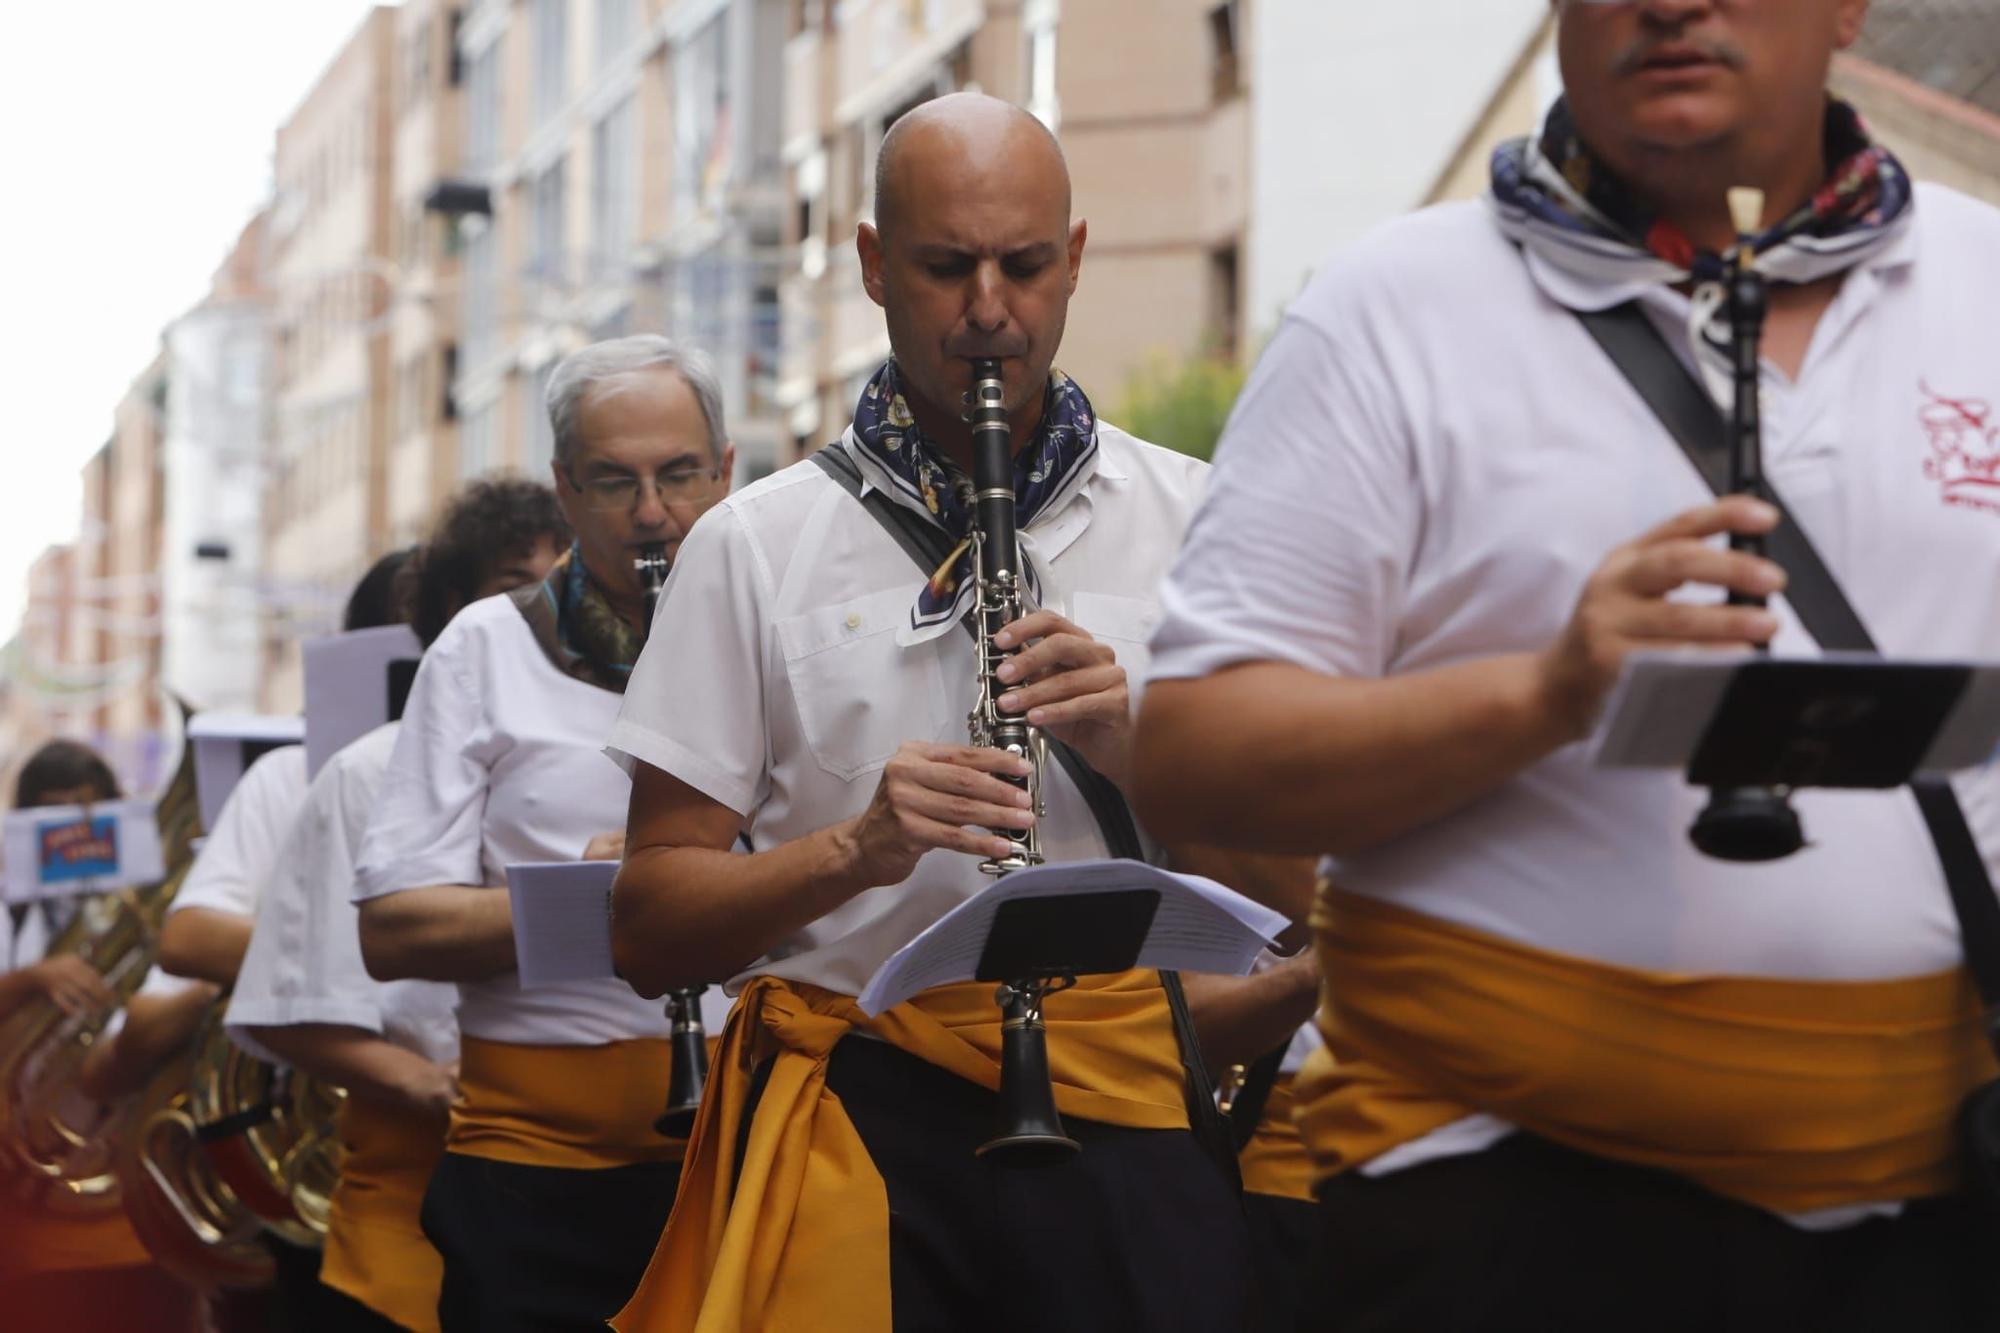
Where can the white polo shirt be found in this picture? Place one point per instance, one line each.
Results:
(774, 682)
(237, 861)
(304, 962)
(500, 760)
(1433, 456)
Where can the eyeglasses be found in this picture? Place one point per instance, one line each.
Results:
(676, 485)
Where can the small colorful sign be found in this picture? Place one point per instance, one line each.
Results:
(57, 850)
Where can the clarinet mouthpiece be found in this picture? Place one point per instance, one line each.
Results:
(1746, 210)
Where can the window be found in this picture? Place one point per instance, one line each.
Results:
(548, 240)
(617, 24)
(1041, 65)
(482, 110)
(701, 120)
(477, 438)
(1224, 300)
(539, 437)
(481, 300)
(551, 57)
(614, 203)
(1224, 22)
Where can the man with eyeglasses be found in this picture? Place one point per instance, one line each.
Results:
(1580, 1077)
(554, 1184)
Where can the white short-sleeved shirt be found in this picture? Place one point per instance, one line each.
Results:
(774, 682)
(501, 761)
(236, 862)
(304, 961)
(1433, 456)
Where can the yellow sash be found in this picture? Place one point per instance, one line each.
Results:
(376, 1250)
(1792, 1095)
(1275, 1161)
(578, 1107)
(725, 1264)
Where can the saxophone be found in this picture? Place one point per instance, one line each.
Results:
(687, 1075)
(57, 1147)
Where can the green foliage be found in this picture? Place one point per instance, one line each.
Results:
(1182, 406)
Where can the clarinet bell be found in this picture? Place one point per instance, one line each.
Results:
(1031, 1129)
(688, 1075)
(1747, 824)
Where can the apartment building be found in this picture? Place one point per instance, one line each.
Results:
(618, 175)
(333, 279)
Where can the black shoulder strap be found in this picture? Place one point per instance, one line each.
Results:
(927, 546)
(1684, 407)
(1247, 1111)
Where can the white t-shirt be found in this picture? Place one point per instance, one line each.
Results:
(304, 962)
(1431, 459)
(237, 861)
(500, 761)
(774, 682)
(1433, 456)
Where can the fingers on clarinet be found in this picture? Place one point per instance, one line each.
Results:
(963, 810)
(988, 759)
(1731, 513)
(1082, 683)
(1666, 566)
(1684, 623)
(964, 783)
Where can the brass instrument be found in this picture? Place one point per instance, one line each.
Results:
(221, 1148)
(687, 1075)
(1030, 1127)
(56, 1145)
(1747, 823)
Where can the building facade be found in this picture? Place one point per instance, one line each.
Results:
(618, 173)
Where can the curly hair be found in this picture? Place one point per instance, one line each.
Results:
(485, 523)
(63, 766)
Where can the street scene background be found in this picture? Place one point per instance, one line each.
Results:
(298, 271)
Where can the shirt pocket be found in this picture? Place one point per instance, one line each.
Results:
(859, 694)
(1126, 623)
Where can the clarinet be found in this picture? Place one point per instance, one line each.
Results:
(1030, 1129)
(688, 1072)
(1747, 823)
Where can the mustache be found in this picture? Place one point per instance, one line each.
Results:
(1727, 54)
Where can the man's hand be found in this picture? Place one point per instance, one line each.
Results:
(605, 847)
(935, 796)
(70, 984)
(1624, 607)
(429, 1089)
(1070, 686)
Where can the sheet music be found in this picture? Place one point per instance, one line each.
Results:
(562, 920)
(347, 686)
(1200, 926)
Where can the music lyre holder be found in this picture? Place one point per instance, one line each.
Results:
(1035, 948)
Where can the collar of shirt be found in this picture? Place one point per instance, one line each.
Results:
(1042, 542)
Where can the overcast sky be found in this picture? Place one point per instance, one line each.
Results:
(139, 141)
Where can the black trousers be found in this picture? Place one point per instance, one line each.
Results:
(1139, 1232)
(1282, 1234)
(539, 1249)
(1529, 1236)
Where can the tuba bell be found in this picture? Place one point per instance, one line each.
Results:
(56, 1145)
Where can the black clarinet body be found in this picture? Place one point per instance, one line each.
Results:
(687, 1039)
(1029, 1130)
(1747, 823)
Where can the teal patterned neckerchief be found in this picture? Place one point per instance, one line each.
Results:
(575, 626)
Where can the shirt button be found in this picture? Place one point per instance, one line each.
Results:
(854, 620)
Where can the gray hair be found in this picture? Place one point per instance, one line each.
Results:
(580, 371)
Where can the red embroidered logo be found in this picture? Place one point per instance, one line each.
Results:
(1964, 435)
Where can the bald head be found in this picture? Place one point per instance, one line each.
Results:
(937, 141)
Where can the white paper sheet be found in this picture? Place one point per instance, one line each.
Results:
(1660, 708)
(1200, 926)
(562, 920)
(54, 851)
(347, 686)
(219, 740)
